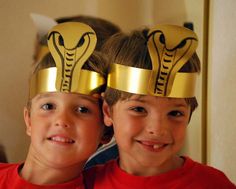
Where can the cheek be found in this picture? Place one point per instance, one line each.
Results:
(126, 126)
(88, 137)
(91, 132)
(179, 133)
(39, 126)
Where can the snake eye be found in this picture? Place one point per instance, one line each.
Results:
(183, 43)
(81, 42)
(61, 41)
(162, 39)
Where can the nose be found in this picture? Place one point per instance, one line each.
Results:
(63, 119)
(157, 126)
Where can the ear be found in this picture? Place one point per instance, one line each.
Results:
(27, 121)
(107, 114)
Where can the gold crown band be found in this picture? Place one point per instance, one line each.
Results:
(170, 47)
(136, 80)
(45, 81)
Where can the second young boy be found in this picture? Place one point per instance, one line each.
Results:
(149, 102)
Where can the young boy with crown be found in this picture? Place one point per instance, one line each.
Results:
(149, 102)
(103, 29)
(63, 114)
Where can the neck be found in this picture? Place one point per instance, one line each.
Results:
(36, 172)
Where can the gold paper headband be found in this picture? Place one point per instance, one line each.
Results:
(70, 44)
(170, 47)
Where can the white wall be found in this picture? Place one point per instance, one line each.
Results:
(221, 131)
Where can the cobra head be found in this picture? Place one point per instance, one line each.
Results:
(70, 44)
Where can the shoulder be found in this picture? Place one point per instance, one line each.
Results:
(8, 173)
(208, 175)
(8, 166)
(205, 170)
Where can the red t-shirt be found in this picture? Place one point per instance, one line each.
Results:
(10, 179)
(191, 175)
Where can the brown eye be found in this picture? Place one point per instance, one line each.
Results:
(83, 110)
(176, 113)
(47, 106)
(138, 109)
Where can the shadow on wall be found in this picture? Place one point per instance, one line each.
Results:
(3, 157)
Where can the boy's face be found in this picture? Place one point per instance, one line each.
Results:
(149, 131)
(65, 128)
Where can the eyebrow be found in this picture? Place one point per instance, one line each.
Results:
(42, 96)
(181, 105)
(91, 99)
(136, 98)
(178, 104)
(139, 98)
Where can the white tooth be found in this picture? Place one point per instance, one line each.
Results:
(156, 146)
(68, 141)
(60, 139)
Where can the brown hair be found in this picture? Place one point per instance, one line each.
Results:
(131, 50)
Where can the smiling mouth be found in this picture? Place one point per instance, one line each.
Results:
(152, 146)
(61, 140)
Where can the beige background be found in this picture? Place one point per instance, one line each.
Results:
(16, 49)
(221, 131)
